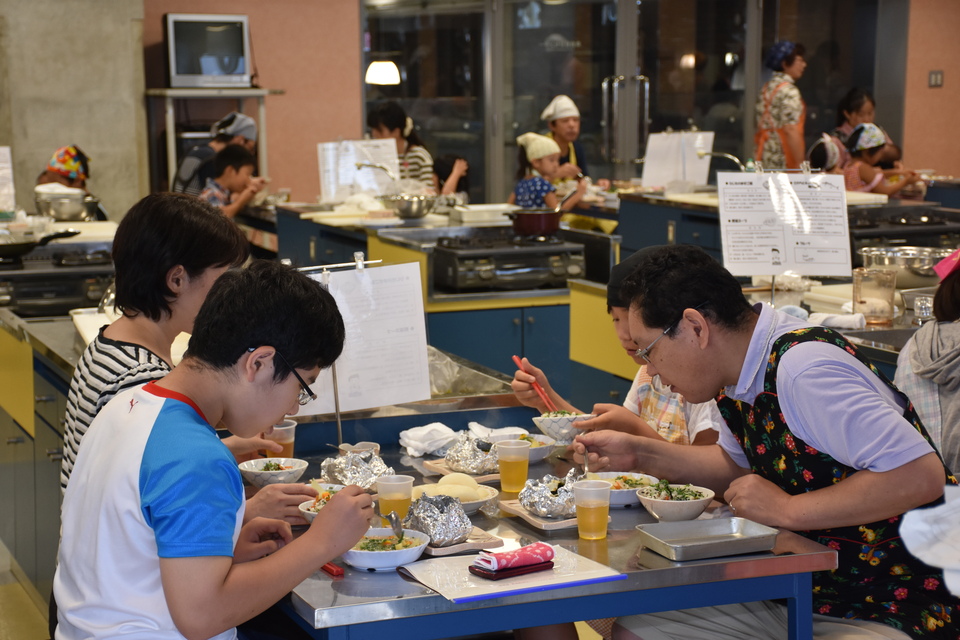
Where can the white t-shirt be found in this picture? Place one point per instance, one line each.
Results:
(675, 419)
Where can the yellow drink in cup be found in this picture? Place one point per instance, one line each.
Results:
(513, 458)
(593, 508)
(283, 434)
(398, 503)
(394, 493)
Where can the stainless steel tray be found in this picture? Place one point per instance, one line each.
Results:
(697, 539)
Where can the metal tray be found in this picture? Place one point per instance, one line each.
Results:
(697, 539)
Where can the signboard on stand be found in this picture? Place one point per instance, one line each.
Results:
(340, 177)
(771, 223)
(672, 158)
(7, 195)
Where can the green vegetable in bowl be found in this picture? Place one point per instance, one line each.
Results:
(663, 491)
(273, 466)
(559, 414)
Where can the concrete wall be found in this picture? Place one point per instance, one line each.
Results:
(72, 73)
(308, 48)
(931, 127)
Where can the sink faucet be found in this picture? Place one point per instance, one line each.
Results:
(375, 165)
(718, 154)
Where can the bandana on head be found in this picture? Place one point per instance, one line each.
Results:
(70, 162)
(777, 53)
(537, 146)
(871, 136)
(946, 266)
(831, 149)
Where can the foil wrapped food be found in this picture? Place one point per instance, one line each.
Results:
(440, 517)
(550, 496)
(359, 468)
(466, 456)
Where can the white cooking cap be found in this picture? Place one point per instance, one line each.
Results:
(560, 107)
(537, 146)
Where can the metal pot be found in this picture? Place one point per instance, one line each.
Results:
(535, 222)
(409, 206)
(14, 245)
(63, 208)
(914, 265)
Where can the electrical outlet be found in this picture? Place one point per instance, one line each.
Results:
(936, 79)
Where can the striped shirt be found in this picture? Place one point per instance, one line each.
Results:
(106, 368)
(417, 164)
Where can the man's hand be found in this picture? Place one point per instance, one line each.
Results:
(607, 450)
(281, 501)
(261, 537)
(568, 171)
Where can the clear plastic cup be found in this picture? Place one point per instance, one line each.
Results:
(513, 458)
(284, 433)
(873, 294)
(593, 508)
(394, 494)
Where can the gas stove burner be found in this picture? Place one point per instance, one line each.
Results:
(526, 241)
(81, 258)
(917, 220)
(468, 242)
(10, 264)
(861, 222)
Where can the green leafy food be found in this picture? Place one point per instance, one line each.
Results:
(385, 543)
(629, 482)
(533, 441)
(559, 414)
(663, 491)
(274, 466)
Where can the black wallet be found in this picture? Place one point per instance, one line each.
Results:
(512, 571)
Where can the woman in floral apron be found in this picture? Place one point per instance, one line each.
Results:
(780, 109)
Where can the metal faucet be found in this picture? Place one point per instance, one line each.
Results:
(719, 154)
(375, 165)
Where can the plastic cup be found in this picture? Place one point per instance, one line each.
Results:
(284, 434)
(394, 493)
(873, 294)
(592, 498)
(513, 458)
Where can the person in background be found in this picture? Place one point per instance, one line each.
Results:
(866, 147)
(825, 155)
(928, 368)
(234, 185)
(197, 166)
(388, 120)
(563, 120)
(450, 179)
(70, 167)
(816, 441)
(539, 160)
(858, 107)
(154, 543)
(780, 109)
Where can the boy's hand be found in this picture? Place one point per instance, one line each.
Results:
(261, 537)
(256, 184)
(281, 501)
(522, 385)
(343, 520)
(244, 449)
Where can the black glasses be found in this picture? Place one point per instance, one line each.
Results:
(306, 395)
(645, 353)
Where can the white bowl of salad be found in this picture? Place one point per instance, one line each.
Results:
(625, 485)
(311, 508)
(559, 425)
(379, 549)
(669, 502)
(263, 471)
(540, 445)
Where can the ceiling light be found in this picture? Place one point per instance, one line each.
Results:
(382, 72)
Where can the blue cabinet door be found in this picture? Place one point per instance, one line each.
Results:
(546, 343)
(296, 240)
(488, 337)
(589, 386)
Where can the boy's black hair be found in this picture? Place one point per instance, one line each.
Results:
(162, 231)
(672, 278)
(232, 155)
(392, 116)
(267, 304)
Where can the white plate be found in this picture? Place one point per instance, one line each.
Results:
(624, 498)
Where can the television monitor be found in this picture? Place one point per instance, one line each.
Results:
(205, 50)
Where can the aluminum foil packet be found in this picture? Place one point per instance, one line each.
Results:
(440, 517)
(361, 469)
(550, 497)
(466, 456)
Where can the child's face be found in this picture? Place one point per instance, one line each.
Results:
(863, 115)
(237, 181)
(547, 165)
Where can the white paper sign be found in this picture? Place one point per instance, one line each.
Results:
(776, 222)
(8, 201)
(672, 157)
(339, 175)
(384, 358)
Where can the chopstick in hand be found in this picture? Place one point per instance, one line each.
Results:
(536, 387)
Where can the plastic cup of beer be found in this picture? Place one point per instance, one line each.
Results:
(513, 458)
(592, 498)
(394, 493)
(284, 434)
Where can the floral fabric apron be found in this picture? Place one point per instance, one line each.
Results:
(877, 578)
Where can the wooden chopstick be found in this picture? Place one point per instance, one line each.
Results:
(536, 387)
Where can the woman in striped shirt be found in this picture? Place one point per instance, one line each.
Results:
(388, 120)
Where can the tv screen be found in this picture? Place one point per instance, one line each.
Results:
(208, 50)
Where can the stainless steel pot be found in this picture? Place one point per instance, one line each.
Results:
(409, 206)
(914, 265)
(63, 208)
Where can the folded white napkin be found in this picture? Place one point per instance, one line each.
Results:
(427, 439)
(838, 321)
(484, 433)
(931, 535)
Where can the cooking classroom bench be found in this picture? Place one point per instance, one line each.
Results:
(364, 605)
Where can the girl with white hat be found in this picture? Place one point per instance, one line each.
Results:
(539, 161)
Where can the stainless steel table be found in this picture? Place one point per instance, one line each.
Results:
(363, 605)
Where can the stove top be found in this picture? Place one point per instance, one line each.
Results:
(918, 221)
(489, 241)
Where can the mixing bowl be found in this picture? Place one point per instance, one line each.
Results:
(914, 265)
(409, 206)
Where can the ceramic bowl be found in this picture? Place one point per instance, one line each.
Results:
(624, 497)
(537, 451)
(386, 560)
(308, 510)
(252, 471)
(561, 428)
(670, 510)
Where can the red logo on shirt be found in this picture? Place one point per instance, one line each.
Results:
(133, 403)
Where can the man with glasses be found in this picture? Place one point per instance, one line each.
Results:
(817, 441)
(154, 543)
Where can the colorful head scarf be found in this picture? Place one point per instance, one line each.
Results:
(777, 53)
(70, 162)
(867, 136)
(537, 146)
